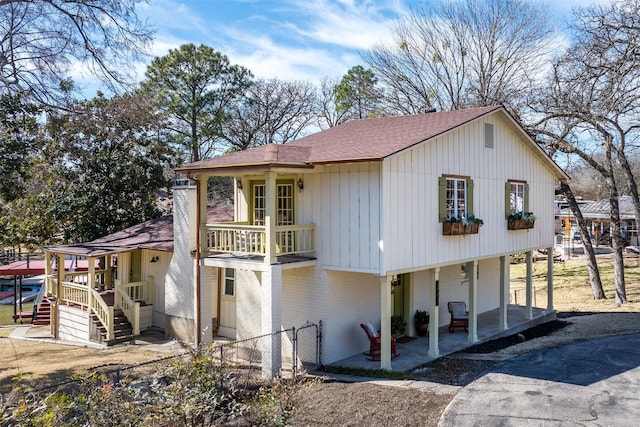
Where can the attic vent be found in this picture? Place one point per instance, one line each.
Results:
(488, 135)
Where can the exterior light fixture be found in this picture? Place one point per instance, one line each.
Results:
(300, 184)
(239, 183)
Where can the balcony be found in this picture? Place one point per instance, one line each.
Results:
(240, 238)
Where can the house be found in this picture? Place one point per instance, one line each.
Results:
(122, 272)
(355, 223)
(597, 214)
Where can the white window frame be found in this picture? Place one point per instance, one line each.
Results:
(456, 197)
(229, 279)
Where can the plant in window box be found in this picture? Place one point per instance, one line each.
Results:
(472, 224)
(521, 221)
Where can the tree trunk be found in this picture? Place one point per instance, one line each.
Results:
(633, 186)
(616, 244)
(592, 264)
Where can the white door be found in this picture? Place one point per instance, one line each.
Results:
(228, 304)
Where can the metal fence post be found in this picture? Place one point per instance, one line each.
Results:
(294, 350)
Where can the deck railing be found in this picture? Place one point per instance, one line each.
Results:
(239, 238)
(85, 297)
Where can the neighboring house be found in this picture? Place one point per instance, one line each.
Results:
(347, 225)
(124, 272)
(597, 215)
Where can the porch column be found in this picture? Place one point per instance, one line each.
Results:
(47, 273)
(270, 218)
(528, 314)
(434, 307)
(550, 279)
(271, 321)
(504, 292)
(473, 301)
(203, 211)
(91, 280)
(108, 275)
(385, 322)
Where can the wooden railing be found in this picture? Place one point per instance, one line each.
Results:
(129, 307)
(128, 297)
(85, 297)
(238, 238)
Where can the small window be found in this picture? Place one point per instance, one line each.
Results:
(516, 197)
(455, 197)
(229, 282)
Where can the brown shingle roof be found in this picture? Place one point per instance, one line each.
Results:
(156, 234)
(356, 140)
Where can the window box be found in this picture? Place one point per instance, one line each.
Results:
(458, 228)
(521, 221)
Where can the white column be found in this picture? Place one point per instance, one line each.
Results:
(270, 218)
(434, 307)
(202, 207)
(550, 279)
(271, 321)
(473, 301)
(385, 322)
(504, 292)
(91, 280)
(528, 314)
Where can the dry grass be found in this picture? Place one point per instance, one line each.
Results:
(571, 289)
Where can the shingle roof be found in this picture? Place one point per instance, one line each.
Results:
(156, 234)
(355, 140)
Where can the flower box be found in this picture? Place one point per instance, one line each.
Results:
(459, 228)
(519, 224)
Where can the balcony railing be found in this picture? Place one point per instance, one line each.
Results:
(239, 238)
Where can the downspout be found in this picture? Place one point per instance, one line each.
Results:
(197, 308)
(216, 327)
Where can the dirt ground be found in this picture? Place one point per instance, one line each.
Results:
(329, 402)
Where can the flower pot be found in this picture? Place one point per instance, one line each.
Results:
(422, 329)
(519, 224)
(452, 228)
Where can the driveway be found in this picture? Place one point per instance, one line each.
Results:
(591, 383)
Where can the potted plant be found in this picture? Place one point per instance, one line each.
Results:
(521, 220)
(398, 325)
(472, 224)
(421, 322)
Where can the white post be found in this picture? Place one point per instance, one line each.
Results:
(271, 321)
(504, 292)
(270, 218)
(385, 322)
(528, 314)
(434, 307)
(91, 281)
(550, 279)
(473, 301)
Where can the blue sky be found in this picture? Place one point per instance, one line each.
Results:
(287, 39)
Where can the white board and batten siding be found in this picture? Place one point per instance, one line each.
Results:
(343, 200)
(412, 233)
(73, 324)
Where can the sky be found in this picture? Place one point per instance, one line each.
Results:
(286, 39)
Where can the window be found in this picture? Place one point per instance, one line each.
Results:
(284, 203)
(516, 197)
(455, 197)
(229, 282)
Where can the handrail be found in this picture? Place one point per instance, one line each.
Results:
(85, 297)
(103, 312)
(129, 307)
(239, 238)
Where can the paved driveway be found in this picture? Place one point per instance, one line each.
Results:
(592, 383)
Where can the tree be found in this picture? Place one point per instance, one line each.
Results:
(357, 94)
(270, 112)
(329, 115)
(592, 106)
(196, 86)
(453, 55)
(18, 135)
(111, 159)
(41, 40)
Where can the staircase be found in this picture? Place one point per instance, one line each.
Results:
(43, 313)
(122, 329)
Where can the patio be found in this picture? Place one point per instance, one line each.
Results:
(414, 353)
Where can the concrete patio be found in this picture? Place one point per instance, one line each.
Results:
(414, 353)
